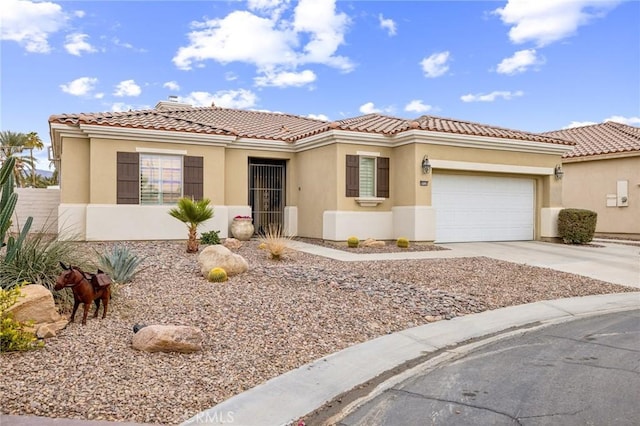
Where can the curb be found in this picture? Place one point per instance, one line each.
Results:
(286, 398)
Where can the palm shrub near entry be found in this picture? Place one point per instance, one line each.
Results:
(120, 263)
(193, 214)
(577, 226)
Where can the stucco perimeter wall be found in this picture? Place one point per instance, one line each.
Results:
(586, 185)
(103, 160)
(39, 203)
(317, 188)
(74, 171)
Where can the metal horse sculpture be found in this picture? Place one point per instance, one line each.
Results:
(87, 288)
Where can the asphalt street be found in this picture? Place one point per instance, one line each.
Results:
(580, 372)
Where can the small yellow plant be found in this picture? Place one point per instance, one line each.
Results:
(13, 336)
(262, 246)
(402, 242)
(353, 242)
(218, 275)
(275, 242)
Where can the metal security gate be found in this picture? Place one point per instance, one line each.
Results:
(266, 193)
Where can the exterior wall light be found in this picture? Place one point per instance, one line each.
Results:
(426, 166)
(558, 172)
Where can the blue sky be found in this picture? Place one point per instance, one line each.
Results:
(529, 65)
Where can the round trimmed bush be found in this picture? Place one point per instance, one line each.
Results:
(217, 275)
(402, 242)
(353, 242)
(577, 226)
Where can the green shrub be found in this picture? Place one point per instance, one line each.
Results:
(402, 242)
(353, 242)
(210, 237)
(577, 226)
(37, 259)
(217, 275)
(120, 263)
(13, 336)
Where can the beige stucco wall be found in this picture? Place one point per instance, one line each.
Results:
(74, 171)
(103, 160)
(317, 187)
(587, 183)
(236, 181)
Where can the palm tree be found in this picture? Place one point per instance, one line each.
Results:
(33, 141)
(11, 144)
(192, 213)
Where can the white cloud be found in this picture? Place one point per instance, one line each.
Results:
(436, 64)
(241, 99)
(520, 62)
(31, 23)
(285, 79)
(578, 124)
(369, 108)
(79, 13)
(387, 24)
(76, 43)
(121, 107)
(82, 86)
(318, 117)
(230, 76)
(171, 85)
(417, 106)
(127, 88)
(546, 21)
(490, 97)
(311, 36)
(630, 121)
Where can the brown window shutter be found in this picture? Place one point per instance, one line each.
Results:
(353, 176)
(128, 178)
(382, 178)
(193, 177)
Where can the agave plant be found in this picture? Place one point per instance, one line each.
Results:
(120, 263)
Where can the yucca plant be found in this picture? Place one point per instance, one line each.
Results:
(275, 241)
(120, 263)
(192, 213)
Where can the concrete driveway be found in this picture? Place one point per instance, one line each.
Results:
(613, 262)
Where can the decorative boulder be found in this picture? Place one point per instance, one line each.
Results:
(47, 330)
(370, 242)
(218, 256)
(36, 304)
(232, 244)
(168, 338)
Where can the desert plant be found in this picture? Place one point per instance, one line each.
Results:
(120, 263)
(37, 259)
(577, 226)
(402, 242)
(275, 241)
(192, 213)
(13, 335)
(211, 237)
(353, 242)
(217, 275)
(8, 202)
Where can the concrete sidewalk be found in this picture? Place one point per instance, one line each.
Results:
(286, 398)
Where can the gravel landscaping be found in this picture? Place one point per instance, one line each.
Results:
(271, 319)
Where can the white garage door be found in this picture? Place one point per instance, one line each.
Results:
(478, 208)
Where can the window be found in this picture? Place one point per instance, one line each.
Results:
(367, 176)
(153, 179)
(160, 179)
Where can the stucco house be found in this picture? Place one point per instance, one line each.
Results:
(602, 173)
(426, 179)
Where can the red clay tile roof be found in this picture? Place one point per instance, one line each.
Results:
(284, 127)
(605, 138)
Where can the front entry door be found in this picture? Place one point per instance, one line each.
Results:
(267, 193)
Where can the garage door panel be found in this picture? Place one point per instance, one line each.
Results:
(483, 208)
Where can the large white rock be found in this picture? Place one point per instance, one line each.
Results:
(168, 338)
(36, 304)
(218, 256)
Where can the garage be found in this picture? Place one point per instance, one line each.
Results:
(483, 208)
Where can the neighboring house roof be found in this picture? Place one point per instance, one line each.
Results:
(597, 139)
(284, 127)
